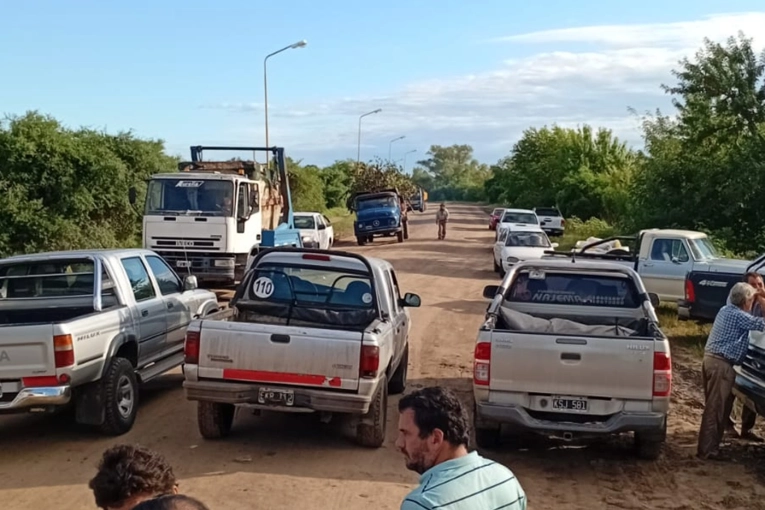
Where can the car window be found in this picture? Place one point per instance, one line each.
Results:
(516, 217)
(168, 281)
(396, 290)
(547, 211)
(44, 279)
(668, 249)
(573, 288)
(502, 235)
(304, 222)
(326, 221)
(139, 278)
(527, 239)
(242, 202)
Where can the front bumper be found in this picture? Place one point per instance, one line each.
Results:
(370, 230)
(206, 267)
(516, 416)
(750, 392)
(28, 398)
(306, 399)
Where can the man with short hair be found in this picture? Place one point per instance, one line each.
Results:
(172, 502)
(726, 347)
(433, 435)
(128, 475)
(442, 216)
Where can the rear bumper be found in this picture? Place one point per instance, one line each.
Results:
(553, 231)
(683, 310)
(306, 399)
(517, 417)
(27, 398)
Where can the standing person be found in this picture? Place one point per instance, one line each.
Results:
(442, 216)
(128, 475)
(748, 416)
(433, 435)
(726, 347)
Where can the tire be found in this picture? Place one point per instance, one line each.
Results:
(373, 436)
(648, 444)
(370, 239)
(120, 397)
(331, 243)
(487, 436)
(214, 419)
(397, 383)
(497, 269)
(406, 230)
(400, 236)
(360, 241)
(502, 271)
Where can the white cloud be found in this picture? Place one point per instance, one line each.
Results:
(624, 66)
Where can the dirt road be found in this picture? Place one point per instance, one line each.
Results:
(294, 462)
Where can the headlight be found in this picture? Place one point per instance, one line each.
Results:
(512, 260)
(307, 239)
(224, 263)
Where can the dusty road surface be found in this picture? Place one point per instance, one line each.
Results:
(294, 462)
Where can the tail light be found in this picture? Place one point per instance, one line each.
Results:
(370, 361)
(191, 348)
(482, 364)
(63, 351)
(316, 256)
(662, 374)
(562, 222)
(690, 292)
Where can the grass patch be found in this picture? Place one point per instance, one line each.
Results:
(342, 221)
(688, 335)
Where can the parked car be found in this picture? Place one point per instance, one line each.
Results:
(750, 375)
(569, 350)
(313, 331)
(316, 230)
(518, 243)
(494, 217)
(87, 327)
(516, 217)
(662, 258)
(551, 220)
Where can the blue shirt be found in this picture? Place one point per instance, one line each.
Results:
(729, 337)
(467, 483)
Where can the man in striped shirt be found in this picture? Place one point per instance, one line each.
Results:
(433, 435)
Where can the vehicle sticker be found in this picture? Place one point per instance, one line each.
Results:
(367, 298)
(536, 275)
(189, 184)
(263, 287)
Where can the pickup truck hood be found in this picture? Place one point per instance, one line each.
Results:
(734, 266)
(376, 213)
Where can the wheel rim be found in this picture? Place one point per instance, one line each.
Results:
(125, 397)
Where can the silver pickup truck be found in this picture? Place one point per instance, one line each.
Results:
(86, 327)
(312, 331)
(572, 349)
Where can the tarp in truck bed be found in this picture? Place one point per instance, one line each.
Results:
(519, 321)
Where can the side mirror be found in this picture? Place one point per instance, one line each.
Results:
(654, 299)
(322, 227)
(132, 195)
(490, 291)
(554, 245)
(412, 300)
(190, 283)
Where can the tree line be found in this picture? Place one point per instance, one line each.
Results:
(702, 167)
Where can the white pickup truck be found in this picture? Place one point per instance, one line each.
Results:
(87, 327)
(572, 349)
(313, 331)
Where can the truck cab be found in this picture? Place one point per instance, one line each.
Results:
(418, 200)
(378, 213)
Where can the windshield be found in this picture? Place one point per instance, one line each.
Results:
(46, 279)
(527, 239)
(547, 211)
(516, 217)
(497, 212)
(304, 222)
(574, 288)
(703, 249)
(372, 203)
(173, 197)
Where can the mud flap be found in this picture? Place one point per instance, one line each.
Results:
(89, 406)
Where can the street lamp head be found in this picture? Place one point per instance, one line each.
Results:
(299, 44)
(378, 110)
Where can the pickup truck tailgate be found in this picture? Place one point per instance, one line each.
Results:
(26, 351)
(618, 367)
(277, 354)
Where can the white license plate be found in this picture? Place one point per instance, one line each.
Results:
(184, 263)
(270, 396)
(570, 404)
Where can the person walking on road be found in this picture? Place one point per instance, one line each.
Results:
(748, 416)
(442, 216)
(726, 347)
(433, 435)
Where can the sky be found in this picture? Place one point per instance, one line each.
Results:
(191, 72)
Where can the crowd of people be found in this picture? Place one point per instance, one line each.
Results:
(433, 436)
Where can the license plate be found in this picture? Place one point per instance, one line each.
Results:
(184, 263)
(572, 404)
(276, 397)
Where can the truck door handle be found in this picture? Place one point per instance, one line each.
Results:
(647, 264)
(170, 306)
(280, 339)
(570, 356)
(144, 313)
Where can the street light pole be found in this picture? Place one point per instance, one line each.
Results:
(358, 151)
(411, 151)
(391, 144)
(299, 44)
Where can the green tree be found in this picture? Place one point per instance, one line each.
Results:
(337, 179)
(306, 187)
(452, 173)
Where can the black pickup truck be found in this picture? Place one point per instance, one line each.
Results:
(750, 376)
(707, 291)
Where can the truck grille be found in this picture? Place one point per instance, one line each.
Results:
(754, 364)
(185, 243)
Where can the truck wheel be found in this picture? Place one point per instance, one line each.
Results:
(648, 444)
(400, 237)
(487, 435)
(397, 383)
(215, 419)
(496, 266)
(370, 239)
(373, 435)
(360, 241)
(120, 397)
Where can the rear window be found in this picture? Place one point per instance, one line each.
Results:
(304, 222)
(571, 288)
(45, 279)
(515, 217)
(547, 211)
(497, 212)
